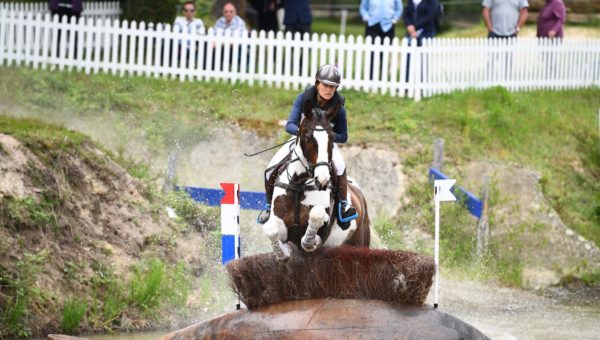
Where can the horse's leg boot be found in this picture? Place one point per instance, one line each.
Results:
(264, 214)
(346, 213)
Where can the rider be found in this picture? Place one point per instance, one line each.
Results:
(325, 96)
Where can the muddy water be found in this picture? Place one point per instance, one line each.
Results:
(507, 313)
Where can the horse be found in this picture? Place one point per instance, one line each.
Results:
(303, 213)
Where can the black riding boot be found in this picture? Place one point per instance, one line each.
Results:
(264, 214)
(346, 213)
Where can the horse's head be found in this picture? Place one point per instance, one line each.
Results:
(315, 137)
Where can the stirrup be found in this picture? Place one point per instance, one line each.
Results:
(263, 215)
(352, 213)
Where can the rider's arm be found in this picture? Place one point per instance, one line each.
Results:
(294, 119)
(340, 126)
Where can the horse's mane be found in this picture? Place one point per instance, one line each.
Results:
(343, 272)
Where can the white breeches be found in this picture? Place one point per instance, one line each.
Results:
(336, 157)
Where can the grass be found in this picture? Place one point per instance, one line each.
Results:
(553, 132)
(154, 284)
(72, 315)
(20, 293)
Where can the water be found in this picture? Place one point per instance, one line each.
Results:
(508, 313)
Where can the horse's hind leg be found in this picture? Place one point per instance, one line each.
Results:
(276, 231)
(316, 219)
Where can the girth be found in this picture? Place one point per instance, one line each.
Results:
(297, 189)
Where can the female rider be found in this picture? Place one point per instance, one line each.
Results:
(325, 96)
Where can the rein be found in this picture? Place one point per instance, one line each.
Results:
(302, 185)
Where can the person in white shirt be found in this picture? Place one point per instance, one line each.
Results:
(230, 21)
(188, 24)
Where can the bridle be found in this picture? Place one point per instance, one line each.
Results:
(303, 183)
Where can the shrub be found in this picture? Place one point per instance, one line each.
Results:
(73, 312)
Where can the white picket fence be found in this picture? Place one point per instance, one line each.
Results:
(439, 66)
(97, 9)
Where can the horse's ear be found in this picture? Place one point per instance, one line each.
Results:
(307, 109)
(333, 111)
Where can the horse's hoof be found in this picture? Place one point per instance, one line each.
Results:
(310, 246)
(283, 251)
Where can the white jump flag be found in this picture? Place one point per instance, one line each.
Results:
(441, 192)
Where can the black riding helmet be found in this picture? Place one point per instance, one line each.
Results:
(329, 74)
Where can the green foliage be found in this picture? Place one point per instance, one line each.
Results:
(389, 233)
(110, 296)
(158, 11)
(153, 284)
(591, 278)
(193, 215)
(72, 314)
(19, 290)
(29, 212)
(145, 291)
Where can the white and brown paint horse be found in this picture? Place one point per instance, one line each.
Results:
(303, 202)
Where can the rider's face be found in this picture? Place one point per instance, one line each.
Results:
(326, 91)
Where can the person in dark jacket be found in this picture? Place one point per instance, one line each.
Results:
(419, 18)
(297, 17)
(267, 14)
(325, 96)
(69, 8)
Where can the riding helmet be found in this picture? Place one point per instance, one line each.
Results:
(329, 74)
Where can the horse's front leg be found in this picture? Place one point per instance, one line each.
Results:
(316, 219)
(277, 232)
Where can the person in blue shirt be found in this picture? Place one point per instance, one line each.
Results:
(325, 96)
(380, 17)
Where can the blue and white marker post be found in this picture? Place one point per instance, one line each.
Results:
(441, 193)
(230, 223)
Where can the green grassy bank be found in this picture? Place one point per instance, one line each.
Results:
(552, 132)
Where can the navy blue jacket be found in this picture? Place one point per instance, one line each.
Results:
(77, 5)
(424, 16)
(340, 124)
(297, 12)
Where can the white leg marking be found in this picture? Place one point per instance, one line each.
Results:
(316, 219)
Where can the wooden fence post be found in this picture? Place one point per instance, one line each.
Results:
(483, 225)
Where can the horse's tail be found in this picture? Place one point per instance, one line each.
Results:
(362, 236)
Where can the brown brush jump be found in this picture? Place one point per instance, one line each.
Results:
(343, 272)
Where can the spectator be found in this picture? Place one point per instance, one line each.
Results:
(420, 18)
(551, 19)
(267, 14)
(188, 24)
(504, 18)
(297, 17)
(380, 17)
(230, 21)
(70, 8)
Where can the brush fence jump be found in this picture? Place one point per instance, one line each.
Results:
(290, 62)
